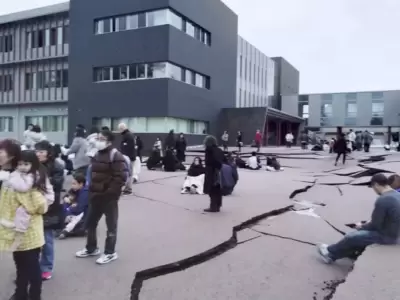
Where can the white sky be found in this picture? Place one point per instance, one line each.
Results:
(337, 45)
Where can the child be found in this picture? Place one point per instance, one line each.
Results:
(21, 227)
(76, 203)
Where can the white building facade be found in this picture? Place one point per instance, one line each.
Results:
(255, 76)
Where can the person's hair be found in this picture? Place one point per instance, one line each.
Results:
(46, 146)
(108, 135)
(94, 129)
(80, 126)
(13, 148)
(37, 169)
(36, 128)
(30, 125)
(380, 179)
(105, 128)
(80, 178)
(394, 181)
(80, 132)
(253, 153)
(210, 141)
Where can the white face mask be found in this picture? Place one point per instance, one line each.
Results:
(101, 145)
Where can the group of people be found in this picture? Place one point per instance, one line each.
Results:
(34, 211)
(254, 163)
(257, 142)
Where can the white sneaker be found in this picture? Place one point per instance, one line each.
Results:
(106, 258)
(84, 253)
(324, 253)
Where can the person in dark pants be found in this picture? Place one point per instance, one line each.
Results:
(127, 148)
(212, 183)
(106, 181)
(341, 148)
(239, 141)
(180, 147)
(139, 147)
(384, 227)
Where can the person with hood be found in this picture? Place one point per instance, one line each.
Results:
(170, 162)
(170, 142)
(54, 218)
(79, 148)
(229, 176)
(367, 139)
(341, 148)
(91, 141)
(33, 136)
(352, 139)
(181, 148)
(212, 182)
(225, 140)
(194, 181)
(128, 148)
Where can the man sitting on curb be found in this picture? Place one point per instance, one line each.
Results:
(384, 227)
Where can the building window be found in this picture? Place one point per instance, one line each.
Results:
(66, 34)
(30, 81)
(48, 123)
(6, 43)
(150, 19)
(326, 111)
(351, 111)
(351, 96)
(6, 124)
(377, 95)
(378, 108)
(6, 83)
(326, 97)
(47, 79)
(150, 71)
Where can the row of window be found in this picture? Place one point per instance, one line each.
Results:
(6, 124)
(46, 79)
(47, 37)
(150, 19)
(350, 96)
(150, 71)
(6, 43)
(154, 124)
(6, 83)
(48, 123)
(351, 121)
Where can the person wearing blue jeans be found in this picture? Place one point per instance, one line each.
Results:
(384, 227)
(47, 256)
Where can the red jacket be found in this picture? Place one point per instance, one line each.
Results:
(258, 137)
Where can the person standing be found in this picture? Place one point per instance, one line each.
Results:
(27, 136)
(352, 139)
(181, 148)
(239, 141)
(225, 140)
(341, 148)
(212, 183)
(128, 148)
(304, 140)
(170, 142)
(79, 148)
(258, 140)
(358, 141)
(367, 139)
(54, 217)
(289, 139)
(139, 147)
(107, 177)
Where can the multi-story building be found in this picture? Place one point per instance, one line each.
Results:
(155, 65)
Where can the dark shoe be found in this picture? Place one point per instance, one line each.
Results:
(211, 210)
(126, 193)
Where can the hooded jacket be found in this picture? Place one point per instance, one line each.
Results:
(79, 147)
(31, 138)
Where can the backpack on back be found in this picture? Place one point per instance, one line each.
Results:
(127, 164)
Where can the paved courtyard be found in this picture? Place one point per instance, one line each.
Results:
(261, 246)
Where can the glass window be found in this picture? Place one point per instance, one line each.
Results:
(350, 121)
(172, 124)
(174, 72)
(189, 77)
(141, 69)
(175, 20)
(30, 81)
(156, 125)
(107, 26)
(156, 70)
(6, 124)
(47, 38)
(28, 40)
(133, 72)
(189, 28)
(101, 122)
(59, 35)
(377, 95)
(351, 96)
(120, 73)
(378, 108)
(199, 80)
(65, 78)
(103, 74)
(41, 39)
(99, 27)
(207, 82)
(351, 110)
(66, 34)
(121, 23)
(156, 18)
(132, 22)
(326, 97)
(6, 83)
(142, 20)
(198, 33)
(326, 110)
(138, 124)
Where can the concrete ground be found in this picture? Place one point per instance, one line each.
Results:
(261, 245)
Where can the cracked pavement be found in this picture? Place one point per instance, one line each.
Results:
(261, 246)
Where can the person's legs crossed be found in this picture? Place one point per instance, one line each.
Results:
(352, 242)
(47, 256)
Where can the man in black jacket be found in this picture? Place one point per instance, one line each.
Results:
(128, 148)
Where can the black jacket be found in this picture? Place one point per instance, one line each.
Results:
(170, 141)
(340, 146)
(181, 149)
(128, 145)
(213, 164)
(54, 218)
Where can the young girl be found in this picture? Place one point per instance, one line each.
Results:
(23, 202)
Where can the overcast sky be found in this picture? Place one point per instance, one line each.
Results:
(337, 45)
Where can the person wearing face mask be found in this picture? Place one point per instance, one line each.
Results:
(107, 177)
(194, 181)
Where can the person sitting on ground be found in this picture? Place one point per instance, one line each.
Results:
(170, 161)
(76, 204)
(273, 164)
(240, 163)
(155, 160)
(394, 182)
(253, 162)
(384, 227)
(194, 181)
(229, 176)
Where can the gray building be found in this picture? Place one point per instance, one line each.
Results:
(156, 65)
(375, 111)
